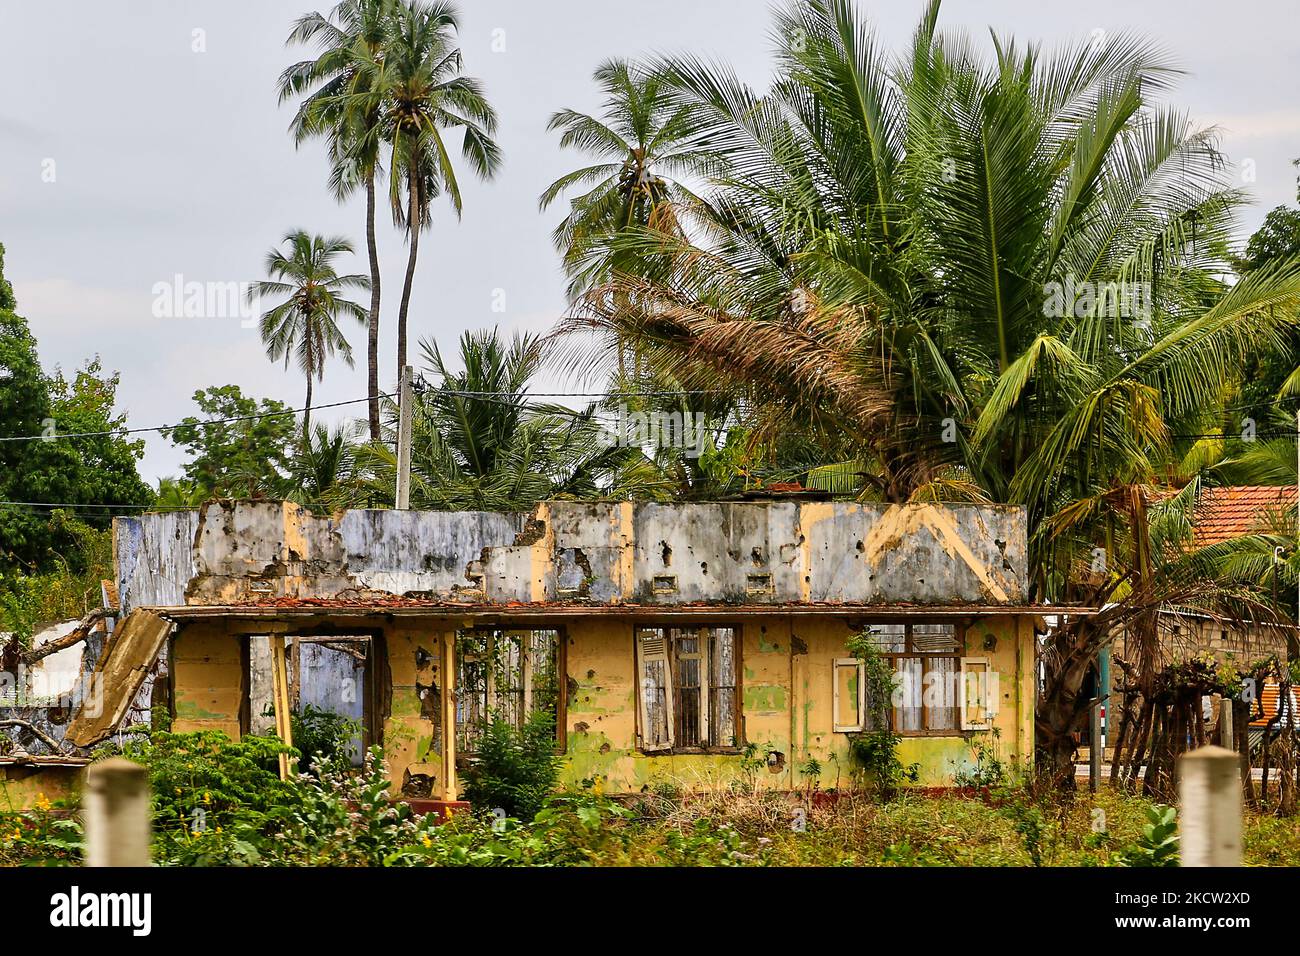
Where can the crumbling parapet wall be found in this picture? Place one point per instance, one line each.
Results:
(593, 552)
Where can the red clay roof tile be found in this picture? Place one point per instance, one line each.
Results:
(1226, 513)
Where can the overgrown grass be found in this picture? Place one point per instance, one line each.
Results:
(217, 803)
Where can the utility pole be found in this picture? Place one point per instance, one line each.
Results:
(404, 441)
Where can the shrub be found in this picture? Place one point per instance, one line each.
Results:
(514, 770)
(1158, 844)
(324, 738)
(46, 835)
(206, 786)
(876, 750)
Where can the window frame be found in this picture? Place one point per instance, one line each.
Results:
(706, 689)
(561, 676)
(959, 629)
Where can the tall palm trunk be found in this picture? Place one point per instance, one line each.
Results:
(413, 226)
(306, 414)
(372, 329)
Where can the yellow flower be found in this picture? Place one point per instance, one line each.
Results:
(17, 834)
(207, 798)
(178, 791)
(426, 841)
(41, 802)
(218, 829)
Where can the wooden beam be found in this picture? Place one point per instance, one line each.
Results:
(450, 787)
(280, 698)
(75, 636)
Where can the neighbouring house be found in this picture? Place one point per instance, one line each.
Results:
(683, 644)
(1220, 515)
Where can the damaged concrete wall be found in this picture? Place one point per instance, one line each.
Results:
(596, 552)
(608, 553)
(786, 706)
(154, 558)
(46, 693)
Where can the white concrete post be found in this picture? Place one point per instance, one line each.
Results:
(117, 813)
(404, 413)
(1209, 789)
(1226, 738)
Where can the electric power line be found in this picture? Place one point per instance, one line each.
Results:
(353, 401)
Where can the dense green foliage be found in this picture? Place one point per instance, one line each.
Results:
(346, 820)
(499, 451)
(514, 770)
(976, 276)
(53, 558)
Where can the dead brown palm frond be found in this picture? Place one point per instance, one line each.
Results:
(810, 359)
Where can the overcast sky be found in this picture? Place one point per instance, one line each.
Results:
(127, 158)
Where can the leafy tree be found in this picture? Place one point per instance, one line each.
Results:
(1278, 239)
(105, 470)
(352, 40)
(240, 447)
(324, 470)
(1265, 376)
(305, 325)
(27, 471)
(93, 474)
(178, 494)
(643, 138)
(515, 770)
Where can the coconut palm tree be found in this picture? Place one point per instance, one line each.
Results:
(480, 444)
(323, 471)
(304, 325)
(897, 250)
(351, 39)
(419, 94)
(643, 140)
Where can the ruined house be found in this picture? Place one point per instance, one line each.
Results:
(677, 644)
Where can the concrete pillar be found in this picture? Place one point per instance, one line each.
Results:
(1226, 738)
(116, 808)
(1209, 789)
(1096, 748)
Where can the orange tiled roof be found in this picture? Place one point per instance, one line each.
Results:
(1225, 513)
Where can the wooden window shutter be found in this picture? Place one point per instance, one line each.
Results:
(655, 690)
(850, 695)
(978, 701)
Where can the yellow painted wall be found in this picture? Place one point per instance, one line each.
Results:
(786, 704)
(411, 743)
(787, 697)
(21, 788)
(208, 677)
